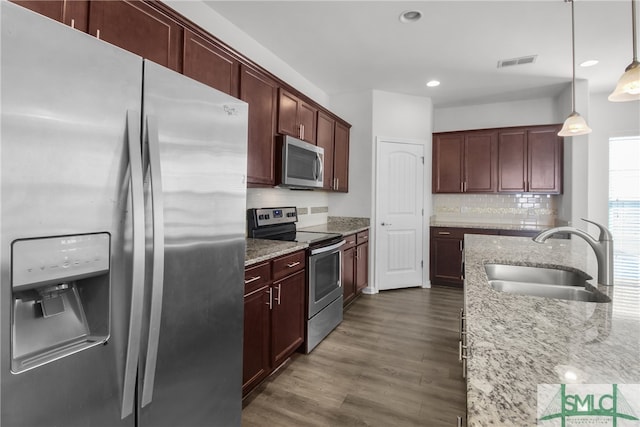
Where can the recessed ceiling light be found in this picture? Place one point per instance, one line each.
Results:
(410, 16)
(433, 83)
(589, 63)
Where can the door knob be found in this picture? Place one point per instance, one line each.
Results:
(385, 223)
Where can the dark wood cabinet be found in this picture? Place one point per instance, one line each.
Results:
(287, 317)
(362, 261)
(260, 92)
(530, 160)
(256, 357)
(349, 269)
(325, 138)
(524, 159)
(465, 162)
(205, 61)
(341, 157)
(274, 315)
(138, 27)
(73, 13)
(296, 117)
(355, 265)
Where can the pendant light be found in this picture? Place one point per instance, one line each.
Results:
(628, 88)
(575, 124)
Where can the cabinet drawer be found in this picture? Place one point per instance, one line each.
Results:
(288, 264)
(256, 276)
(350, 241)
(362, 237)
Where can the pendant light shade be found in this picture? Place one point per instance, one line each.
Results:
(628, 88)
(575, 124)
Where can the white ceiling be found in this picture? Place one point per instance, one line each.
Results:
(346, 46)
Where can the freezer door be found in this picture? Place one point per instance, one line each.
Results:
(64, 172)
(195, 141)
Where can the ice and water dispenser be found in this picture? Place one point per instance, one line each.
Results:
(61, 297)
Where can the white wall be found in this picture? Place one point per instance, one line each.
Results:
(499, 114)
(607, 119)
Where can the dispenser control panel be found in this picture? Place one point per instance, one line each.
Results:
(55, 259)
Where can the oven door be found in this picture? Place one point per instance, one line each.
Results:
(325, 285)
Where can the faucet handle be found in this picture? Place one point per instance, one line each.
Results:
(605, 234)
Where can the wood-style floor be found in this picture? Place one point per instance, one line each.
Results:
(393, 361)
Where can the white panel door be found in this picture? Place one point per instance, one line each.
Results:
(399, 213)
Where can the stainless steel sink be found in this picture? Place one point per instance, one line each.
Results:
(543, 282)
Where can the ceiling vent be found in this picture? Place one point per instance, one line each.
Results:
(517, 61)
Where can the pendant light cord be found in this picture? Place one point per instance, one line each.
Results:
(573, 61)
(633, 30)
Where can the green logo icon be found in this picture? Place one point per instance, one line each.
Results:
(583, 405)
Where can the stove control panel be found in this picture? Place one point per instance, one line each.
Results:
(272, 216)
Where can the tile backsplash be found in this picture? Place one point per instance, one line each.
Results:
(525, 209)
(313, 206)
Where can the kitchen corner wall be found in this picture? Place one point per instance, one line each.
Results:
(516, 209)
(313, 206)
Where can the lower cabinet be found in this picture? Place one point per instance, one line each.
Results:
(273, 315)
(447, 251)
(355, 265)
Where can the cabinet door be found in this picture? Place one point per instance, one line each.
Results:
(324, 139)
(348, 274)
(307, 120)
(139, 28)
(255, 361)
(288, 114)
(512, 161)
(208, 63)
(446, 260)
(341, 158)
(480, 158)
(362, 266)
(287, 317)
(544, 151)
(260, 92)
(448, 151)
(73, 13)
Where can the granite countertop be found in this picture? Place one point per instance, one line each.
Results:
(261, 249)
(343, 225)
(516, 342)
(489, 226)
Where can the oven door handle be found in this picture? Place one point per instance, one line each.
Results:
(327, 248)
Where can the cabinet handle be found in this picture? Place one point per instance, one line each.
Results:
(253, 279)
(461, 349)
(462, 187)
(350, 242)
(337, 183)
(462, 319)
(278, 297)
(444, 233)
(73, 23)
(270, 303)
(293, 264)
(301, 131)
(98, 34)
(460, 245)
(459, 421)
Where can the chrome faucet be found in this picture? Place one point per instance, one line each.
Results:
(603, 247)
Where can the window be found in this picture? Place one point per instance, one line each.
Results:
(624, 208)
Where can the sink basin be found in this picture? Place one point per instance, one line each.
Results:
(543, 282)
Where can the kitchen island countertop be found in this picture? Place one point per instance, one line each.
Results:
(516, 342)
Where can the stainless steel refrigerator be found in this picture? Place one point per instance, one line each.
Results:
(122, 236)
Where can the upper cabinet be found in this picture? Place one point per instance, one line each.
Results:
(139, 28)
(325, 139)
(333, 136)
(208, 63)
(465, 162)
(73, 13)
(260, 92)
(296, 117)
(530, 160)
(506, 160)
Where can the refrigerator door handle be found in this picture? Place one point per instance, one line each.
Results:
(157, 208)
(138, 247)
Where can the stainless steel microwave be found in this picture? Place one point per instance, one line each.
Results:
(301, 164)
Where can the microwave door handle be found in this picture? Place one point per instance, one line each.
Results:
(320, 167)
